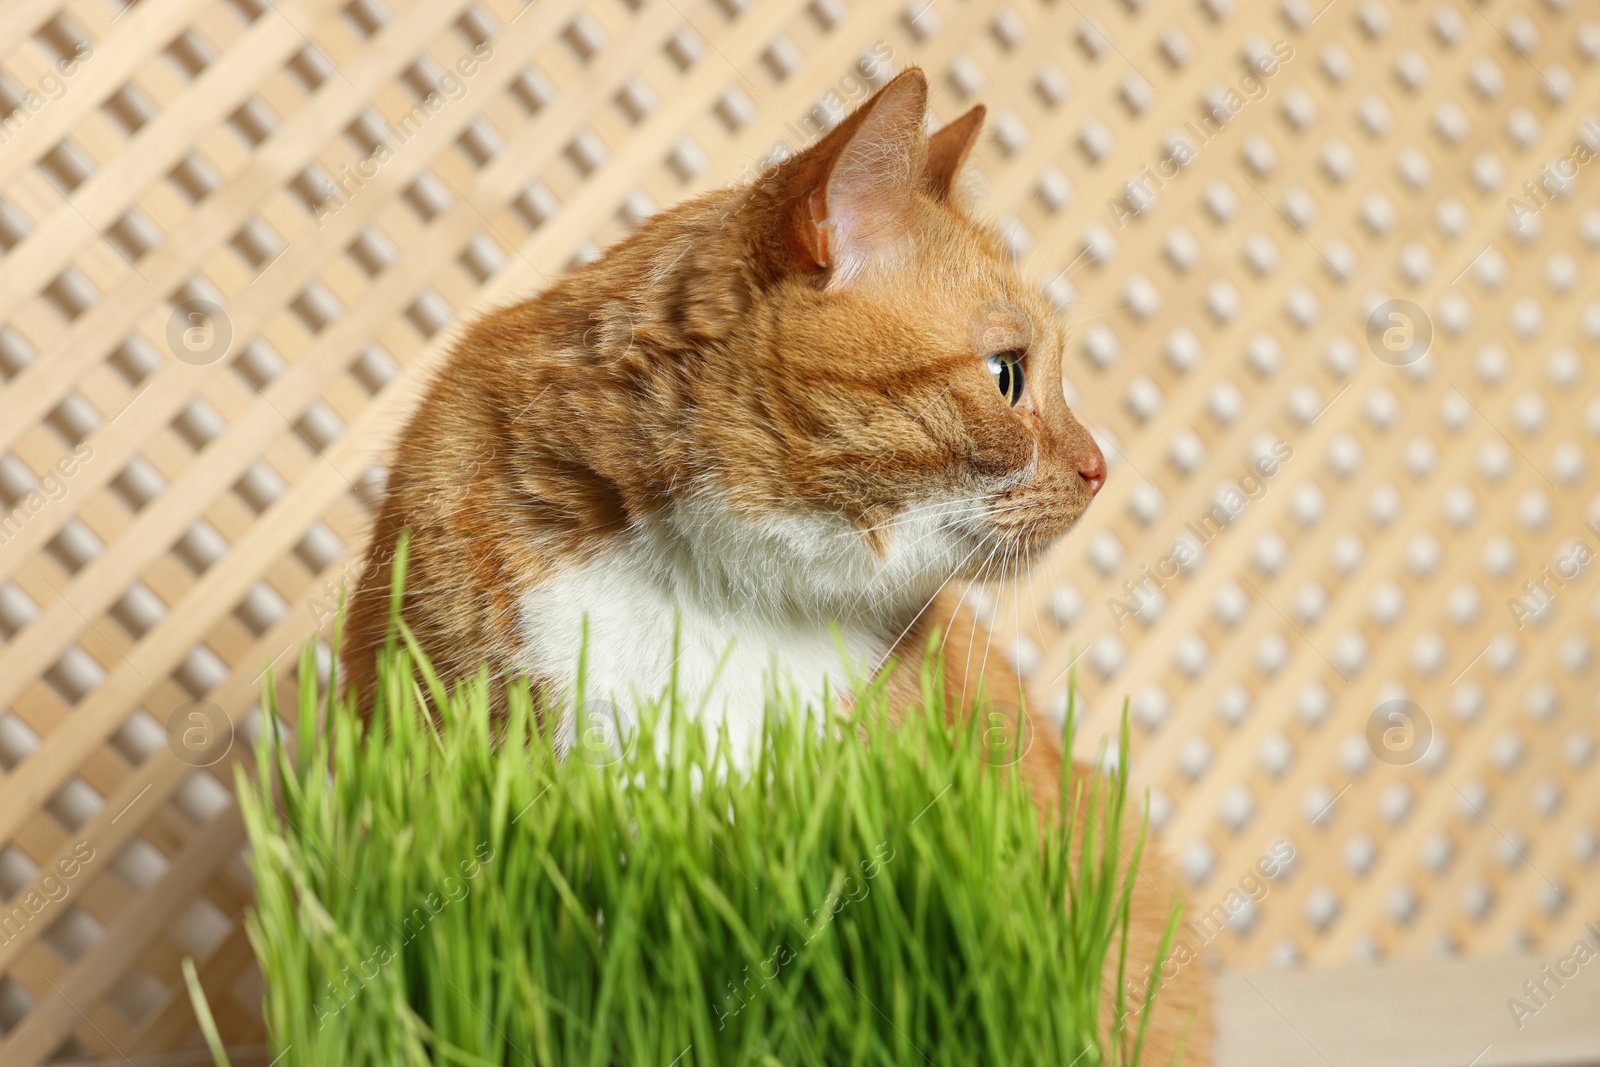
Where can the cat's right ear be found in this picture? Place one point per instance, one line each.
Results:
(948, 150)
(853, 190)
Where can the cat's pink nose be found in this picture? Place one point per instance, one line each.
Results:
(1092, 469)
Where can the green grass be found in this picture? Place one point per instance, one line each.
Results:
(454, 893)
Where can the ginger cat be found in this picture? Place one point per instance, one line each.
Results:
(776, 410)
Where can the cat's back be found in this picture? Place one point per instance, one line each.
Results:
(530, 450)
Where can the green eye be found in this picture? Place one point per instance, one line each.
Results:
(1007, 370)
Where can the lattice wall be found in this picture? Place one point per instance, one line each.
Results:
(1376, 564)
(204, 353)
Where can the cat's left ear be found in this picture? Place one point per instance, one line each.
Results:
(856, 186)
(948, 150)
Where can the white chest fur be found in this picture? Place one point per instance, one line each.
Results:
(726, 660)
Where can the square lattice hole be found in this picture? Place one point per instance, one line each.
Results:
(138, 738)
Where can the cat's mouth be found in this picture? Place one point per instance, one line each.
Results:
(1034, 526)
(1011, 535)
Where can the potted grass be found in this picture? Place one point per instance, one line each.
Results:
(436, 884)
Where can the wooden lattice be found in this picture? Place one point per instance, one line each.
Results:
(234, 235)
(1390, 183)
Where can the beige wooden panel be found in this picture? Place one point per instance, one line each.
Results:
(206, 506)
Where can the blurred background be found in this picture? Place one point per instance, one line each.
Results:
(1330, 270)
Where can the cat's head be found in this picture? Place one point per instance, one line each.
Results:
(873, 356)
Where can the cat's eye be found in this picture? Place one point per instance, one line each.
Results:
(1007, 370)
